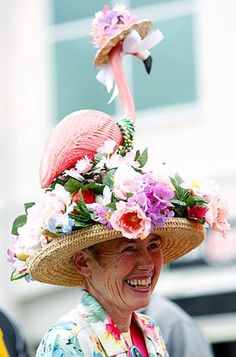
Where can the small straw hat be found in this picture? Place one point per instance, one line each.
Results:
(102, 56)
(111, 26)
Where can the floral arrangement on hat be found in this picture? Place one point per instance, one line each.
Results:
(113, 190)
(108, 22)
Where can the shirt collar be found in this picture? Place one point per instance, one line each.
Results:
(109, 335)
(102, 325)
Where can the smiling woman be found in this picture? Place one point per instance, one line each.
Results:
(121, 274)
(103, 223)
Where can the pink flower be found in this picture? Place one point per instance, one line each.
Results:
(109, 22)
(125, 181)
(197, 212)
(216, 216)
(131, 221)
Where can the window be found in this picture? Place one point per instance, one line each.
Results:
(172, 81)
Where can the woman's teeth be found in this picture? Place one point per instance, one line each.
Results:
(139, 282)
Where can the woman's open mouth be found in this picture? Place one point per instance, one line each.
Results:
(139, 283)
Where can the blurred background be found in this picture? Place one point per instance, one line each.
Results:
(186, 116)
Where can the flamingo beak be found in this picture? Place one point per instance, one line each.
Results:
(146, 57)
(148, 64)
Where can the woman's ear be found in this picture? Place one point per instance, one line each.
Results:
(81, 262)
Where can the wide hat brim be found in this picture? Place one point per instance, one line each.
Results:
(102, 55)
(54, 263)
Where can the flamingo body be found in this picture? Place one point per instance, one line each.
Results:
(78, 134)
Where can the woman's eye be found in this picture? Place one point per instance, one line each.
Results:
(154, 246)
(129, 249)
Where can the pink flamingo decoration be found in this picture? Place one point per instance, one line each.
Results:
(82, 132)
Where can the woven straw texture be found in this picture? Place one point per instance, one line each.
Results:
(54, 264)
(102, 55)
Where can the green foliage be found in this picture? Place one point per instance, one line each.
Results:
(17, 277)
(111, 206)
(18, 222)
(183, 198)
(97, 188)
(28, 205)
(141, 158)
(108, 178)
(82, 218)
(72, 185)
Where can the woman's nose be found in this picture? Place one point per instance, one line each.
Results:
(145, 260)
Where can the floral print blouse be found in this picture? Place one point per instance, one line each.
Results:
(89, 331)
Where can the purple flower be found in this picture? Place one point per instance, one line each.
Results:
(140, 199)
(103, 215)
(159, 208)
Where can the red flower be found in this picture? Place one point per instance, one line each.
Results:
(131, 219)
(197, 212)
(88, 196)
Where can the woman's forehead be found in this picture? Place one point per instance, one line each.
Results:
(117, 242)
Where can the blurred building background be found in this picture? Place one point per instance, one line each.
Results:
(186, 116)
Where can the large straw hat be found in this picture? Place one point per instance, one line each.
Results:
(54, 263)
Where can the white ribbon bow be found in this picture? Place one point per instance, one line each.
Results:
(132, 44)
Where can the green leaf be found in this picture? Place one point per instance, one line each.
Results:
(108, 178)
(18, 222)
(143, 158)
(72, 185)
(180, 211)
(95, 187)
(111, 206)
(178, 179)
(137, 155)
(18, 276)
(196, 200)
(80, 217)
(28, 205)
(181, 194)
(83, 210)
(79, 224)
(176, 202)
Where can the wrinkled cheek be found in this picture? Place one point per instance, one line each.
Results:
(114, 286)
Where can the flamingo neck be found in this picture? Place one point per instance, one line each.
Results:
(125, 95)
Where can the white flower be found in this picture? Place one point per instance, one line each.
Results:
(202, 188)
(50, 203)
(84, 165)
(116, 160)
(102, 163)
(104, 199)
(107, 148)
(74, 174)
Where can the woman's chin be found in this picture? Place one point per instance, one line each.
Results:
(139, 296)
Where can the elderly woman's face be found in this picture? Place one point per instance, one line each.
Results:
(125, 271)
